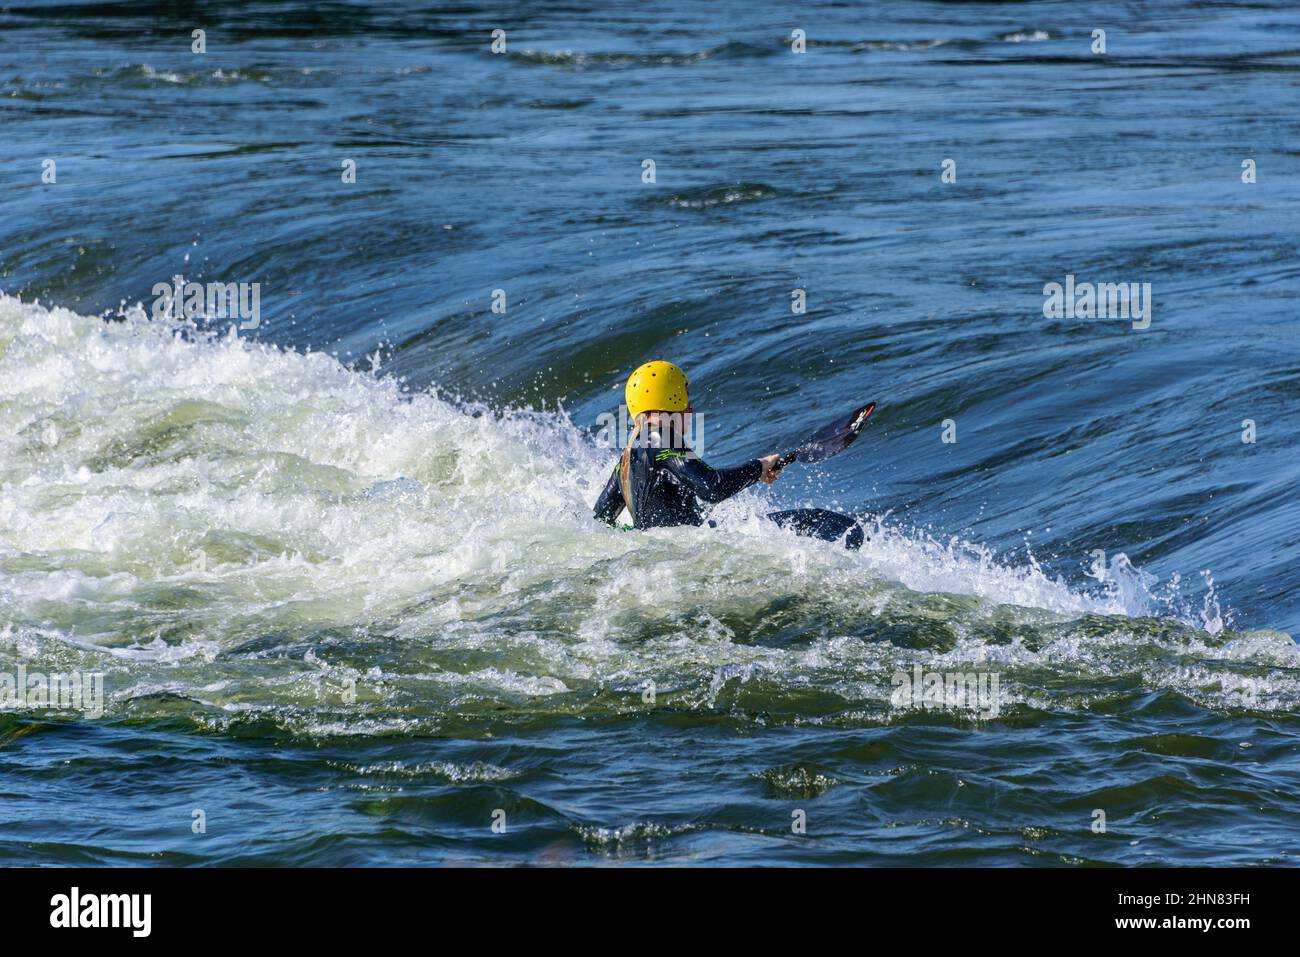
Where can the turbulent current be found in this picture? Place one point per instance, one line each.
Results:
(404, 600)
(323, 586)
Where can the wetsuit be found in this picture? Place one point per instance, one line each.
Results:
(668, 483)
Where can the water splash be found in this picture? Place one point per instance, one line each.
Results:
(251, 528)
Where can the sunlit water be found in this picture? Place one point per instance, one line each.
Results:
(339, 571)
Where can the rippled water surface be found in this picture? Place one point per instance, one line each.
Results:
(339, 571)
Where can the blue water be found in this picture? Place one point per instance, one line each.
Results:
(338, 569)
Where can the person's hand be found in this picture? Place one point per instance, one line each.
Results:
(771, 468)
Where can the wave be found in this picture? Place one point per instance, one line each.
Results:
(252, 540)
(707, 197)
(585, 60)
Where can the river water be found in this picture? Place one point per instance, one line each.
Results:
(337, 567)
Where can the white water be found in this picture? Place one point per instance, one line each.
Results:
(166, 496)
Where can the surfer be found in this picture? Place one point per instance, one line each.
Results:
(661, 481)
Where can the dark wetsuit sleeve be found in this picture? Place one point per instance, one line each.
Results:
(713, 485)
(610, 502)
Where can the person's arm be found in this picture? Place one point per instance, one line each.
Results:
(714, 485)
(610, 502)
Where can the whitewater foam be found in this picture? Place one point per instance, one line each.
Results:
(172, 498)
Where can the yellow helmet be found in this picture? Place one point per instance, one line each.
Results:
(657, 387)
